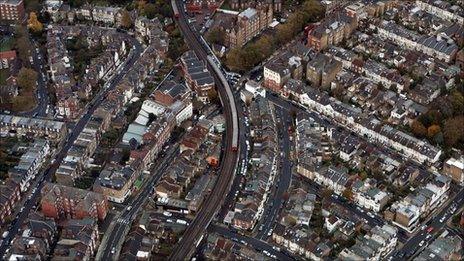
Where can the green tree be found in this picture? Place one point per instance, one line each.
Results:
(27, 79)
(126, 20)
(216, 36)
(150, 10)
(265, 45)
(235, 59)
(453, 131)
(22, 43)
(418, 129)
(457, 100)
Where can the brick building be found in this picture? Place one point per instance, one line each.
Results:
(196, 6)
(12, 10)
(276, 73)
(331, 31)
(198, 77)
(62, 202)
(6, 58)
(246, 25)
(243, 4)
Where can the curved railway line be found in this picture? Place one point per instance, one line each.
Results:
(195, 231)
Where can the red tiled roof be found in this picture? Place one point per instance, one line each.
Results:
(10, 55)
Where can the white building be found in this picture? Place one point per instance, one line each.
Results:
(442, 9)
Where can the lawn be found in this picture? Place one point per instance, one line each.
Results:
(6, 43)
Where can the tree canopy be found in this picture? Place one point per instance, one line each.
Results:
(34, 24)
(126, 20)
(27, 79)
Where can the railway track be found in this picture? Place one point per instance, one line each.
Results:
(195, 232)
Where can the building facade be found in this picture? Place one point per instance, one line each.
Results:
(12, 10)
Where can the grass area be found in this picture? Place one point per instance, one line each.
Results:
(6, 44)
(4, 74)
(138, 183)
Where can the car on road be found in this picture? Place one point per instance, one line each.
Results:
(430, 229)
(269, 233)
(182, 222)
(113, 250)
(421, 243)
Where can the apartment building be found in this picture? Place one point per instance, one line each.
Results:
(116, 182)
(442, 9)
(276, 74)
(454, 168)
(331, 31)
(62, 202)
(243, 4)
(246, 25)
(12, 10)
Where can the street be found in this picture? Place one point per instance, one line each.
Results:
(275, 201)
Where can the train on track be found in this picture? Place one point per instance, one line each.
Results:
(174, 9)
(230, 102)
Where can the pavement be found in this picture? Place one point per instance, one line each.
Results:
(46, 176)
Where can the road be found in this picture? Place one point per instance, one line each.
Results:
(110, 250)
(271, 211)
(257, 244)
(195, 232)
(42, 98)
(72, 136)
(412, 246)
